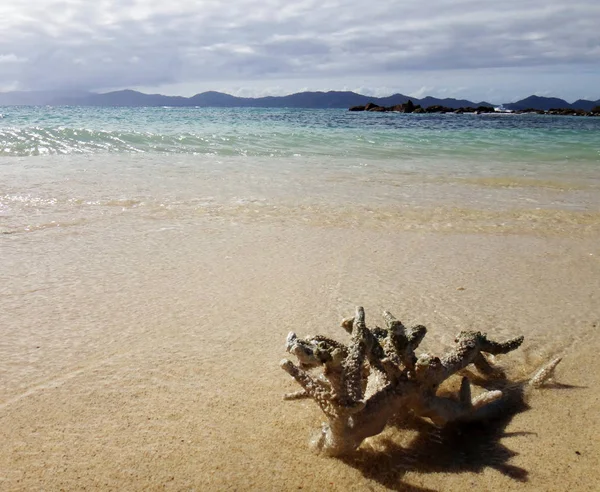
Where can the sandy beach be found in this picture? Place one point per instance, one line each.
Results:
(150, 276)
(152, 362)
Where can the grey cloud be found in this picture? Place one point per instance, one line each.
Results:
(112, 43)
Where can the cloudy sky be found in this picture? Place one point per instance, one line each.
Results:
(494, 50)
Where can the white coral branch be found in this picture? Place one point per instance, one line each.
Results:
(407, 383)
(545, 373)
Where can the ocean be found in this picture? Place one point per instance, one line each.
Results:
(65, 165)
(153, 260)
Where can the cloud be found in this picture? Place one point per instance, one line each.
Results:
(11, 58)
(49, 44)
(422, 91)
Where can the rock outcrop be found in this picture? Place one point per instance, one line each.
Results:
(409, 107)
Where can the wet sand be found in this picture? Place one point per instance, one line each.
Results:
(147, 358)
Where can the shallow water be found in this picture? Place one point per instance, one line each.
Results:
(82, 192)
(65, 166)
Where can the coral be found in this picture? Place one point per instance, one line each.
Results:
(378, 376)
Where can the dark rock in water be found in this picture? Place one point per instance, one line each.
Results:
(531, 111)
(410, 107)
(477, 110)
(371, 107)
(436, 108)
(567, 112)
(407, 107)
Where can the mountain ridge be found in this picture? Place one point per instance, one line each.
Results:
(307, 100)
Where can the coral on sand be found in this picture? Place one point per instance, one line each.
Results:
(378, 376)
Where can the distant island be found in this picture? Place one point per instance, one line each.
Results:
(308, 100)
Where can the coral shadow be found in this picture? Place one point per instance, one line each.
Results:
(561, 386)
(456, 448)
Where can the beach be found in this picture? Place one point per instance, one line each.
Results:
(146, 300)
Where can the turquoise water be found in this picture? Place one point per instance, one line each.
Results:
(28, 131)
(76, 166)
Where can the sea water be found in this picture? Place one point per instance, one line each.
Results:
(66, 166)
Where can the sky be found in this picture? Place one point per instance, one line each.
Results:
(482, 50)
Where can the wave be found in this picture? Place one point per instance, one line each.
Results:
(42, 226)
(46, 141)
(256, 141)
(74, 213)
(55, 141)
